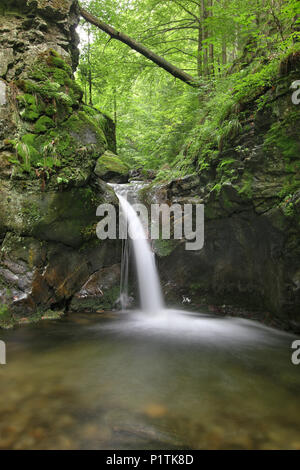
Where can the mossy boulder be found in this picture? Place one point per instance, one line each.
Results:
(110, 167)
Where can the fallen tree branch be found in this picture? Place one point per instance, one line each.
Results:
(160, 61)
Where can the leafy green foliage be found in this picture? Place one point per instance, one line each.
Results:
(235, 51)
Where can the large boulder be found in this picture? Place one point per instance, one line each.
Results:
(110, 167)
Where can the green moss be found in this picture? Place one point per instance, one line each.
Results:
(110, 297)
(56, 70)
(78, 137)
(6, 319)
(92, 112)
(245, 190)
(290, 186)
(63, 136)
(253, 84)
(288, 209)
(29, 139)
(50, 79)
(50, 110)
(31, 211)
(110, 163)
(89, 232)
(43, 124)
(30, 108)
(85, 129)
(284, 136)
(46, 89)
(165, 247)
(63, 215)
(3, 310)
(55, 60)
(28, 154)
(60, 76)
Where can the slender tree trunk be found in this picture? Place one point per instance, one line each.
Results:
(211, 46)
(224, 52)
(199, 52)
(204, 37)
(90, 87)
(85, 87)
(90, 71)
(160, 61)
(115, 106)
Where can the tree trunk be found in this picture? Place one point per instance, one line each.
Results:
(211, 46)
(204, 37)
(160, 61)
(199, 52)
(90, 71)
(224, 52)
(115, 106)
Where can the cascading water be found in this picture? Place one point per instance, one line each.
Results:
(172, 322)
(148, 279)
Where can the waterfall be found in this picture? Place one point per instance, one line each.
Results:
(148, 279)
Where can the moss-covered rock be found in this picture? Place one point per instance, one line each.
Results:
(49, 145)
(110, 167)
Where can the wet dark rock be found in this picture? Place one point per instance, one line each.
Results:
(143, 174)
(251, 255)
(100, 291)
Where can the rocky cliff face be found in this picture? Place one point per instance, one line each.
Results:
(251, 192)
(49, 145)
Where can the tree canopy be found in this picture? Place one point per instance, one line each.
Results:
(228, 46)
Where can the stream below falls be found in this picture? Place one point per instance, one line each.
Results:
(130, 381)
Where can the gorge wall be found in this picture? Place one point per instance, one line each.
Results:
(250, 261)
(50, 142)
